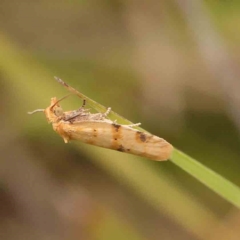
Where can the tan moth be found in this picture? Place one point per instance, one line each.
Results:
(97, 130)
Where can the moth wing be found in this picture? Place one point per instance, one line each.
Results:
(118, 137)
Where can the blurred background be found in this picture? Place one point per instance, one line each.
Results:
(171, 65)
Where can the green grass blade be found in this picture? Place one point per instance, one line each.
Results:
(214, 181)
(97, 106)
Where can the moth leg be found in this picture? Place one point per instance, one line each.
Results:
(107, 112)
(70, 118)
(84, 103)
(133, 125)
(81, 109)
(128, 125)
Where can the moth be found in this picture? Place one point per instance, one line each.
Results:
(96, 129)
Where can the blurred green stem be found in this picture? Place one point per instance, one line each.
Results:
(214, 181)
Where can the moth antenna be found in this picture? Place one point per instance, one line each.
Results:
(37, 110)
(60, 100)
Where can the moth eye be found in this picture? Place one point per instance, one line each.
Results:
(58, 111)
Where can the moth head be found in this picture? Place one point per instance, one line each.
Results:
(54, 112)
